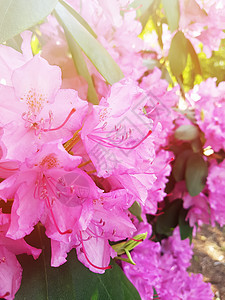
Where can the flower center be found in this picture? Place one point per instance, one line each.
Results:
(118, 138)
(35, 103)
(50, 161)
(45, 189)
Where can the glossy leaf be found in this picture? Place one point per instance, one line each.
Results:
(19, 15)
(98, 55)
(186, 132)
(81, 67)
(178, 53)
(72, 280)
(195, 174)
(180, 165)
(135, 209)
(169, 219)
(172, 12)
(185, 229)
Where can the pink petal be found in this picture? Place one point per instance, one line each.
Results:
(10, 274)
(26, 211)
(37, 75)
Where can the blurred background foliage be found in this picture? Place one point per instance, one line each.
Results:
(196, 70)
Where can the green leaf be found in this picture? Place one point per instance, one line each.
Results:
(180, 165)
(169, 220)
(186, 132)
(135, 209)
(98, 55)
(185, 229)
(15, 43)
(19, 15)
(79, 18)
(194, 57)
(125, 247)
(155, 295)
(81, 67)
(196, 174)
(172, 11)
(141, 6)
(178, 53)
(144, 10)
(72, 280)
(130, 244)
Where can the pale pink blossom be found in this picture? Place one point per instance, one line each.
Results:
(117, 134)
(31, 110)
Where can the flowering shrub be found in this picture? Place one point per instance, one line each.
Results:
(105, 148)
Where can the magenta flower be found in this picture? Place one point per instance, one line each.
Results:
(210, 113)
(164, 269)
(216, 182)
(109, 221)
(35, 189)
(117, 134)
(10, 269)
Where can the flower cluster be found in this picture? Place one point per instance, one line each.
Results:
(79, 169)
(160, 271)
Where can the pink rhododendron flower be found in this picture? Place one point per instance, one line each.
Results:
(216, 182)
(199, 26)
(210, 113)
(11, 59)
(166, 272)
(117, 32)
(181, 250)
(34, 191)
(10, 274)
(31, 109)
(8, 167)
(117, 134)
(109, 221)
(10, 269)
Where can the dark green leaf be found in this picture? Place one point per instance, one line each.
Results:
(101, 59)
(81, 67)
(178, 53)
(155, 295)
(169, 220)
(19, 15)
(172, 11)
(135, 209)
(194, 58)
(180, 164)
(195, 174)
(72, 280)
(185, 229)
(186, 132)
